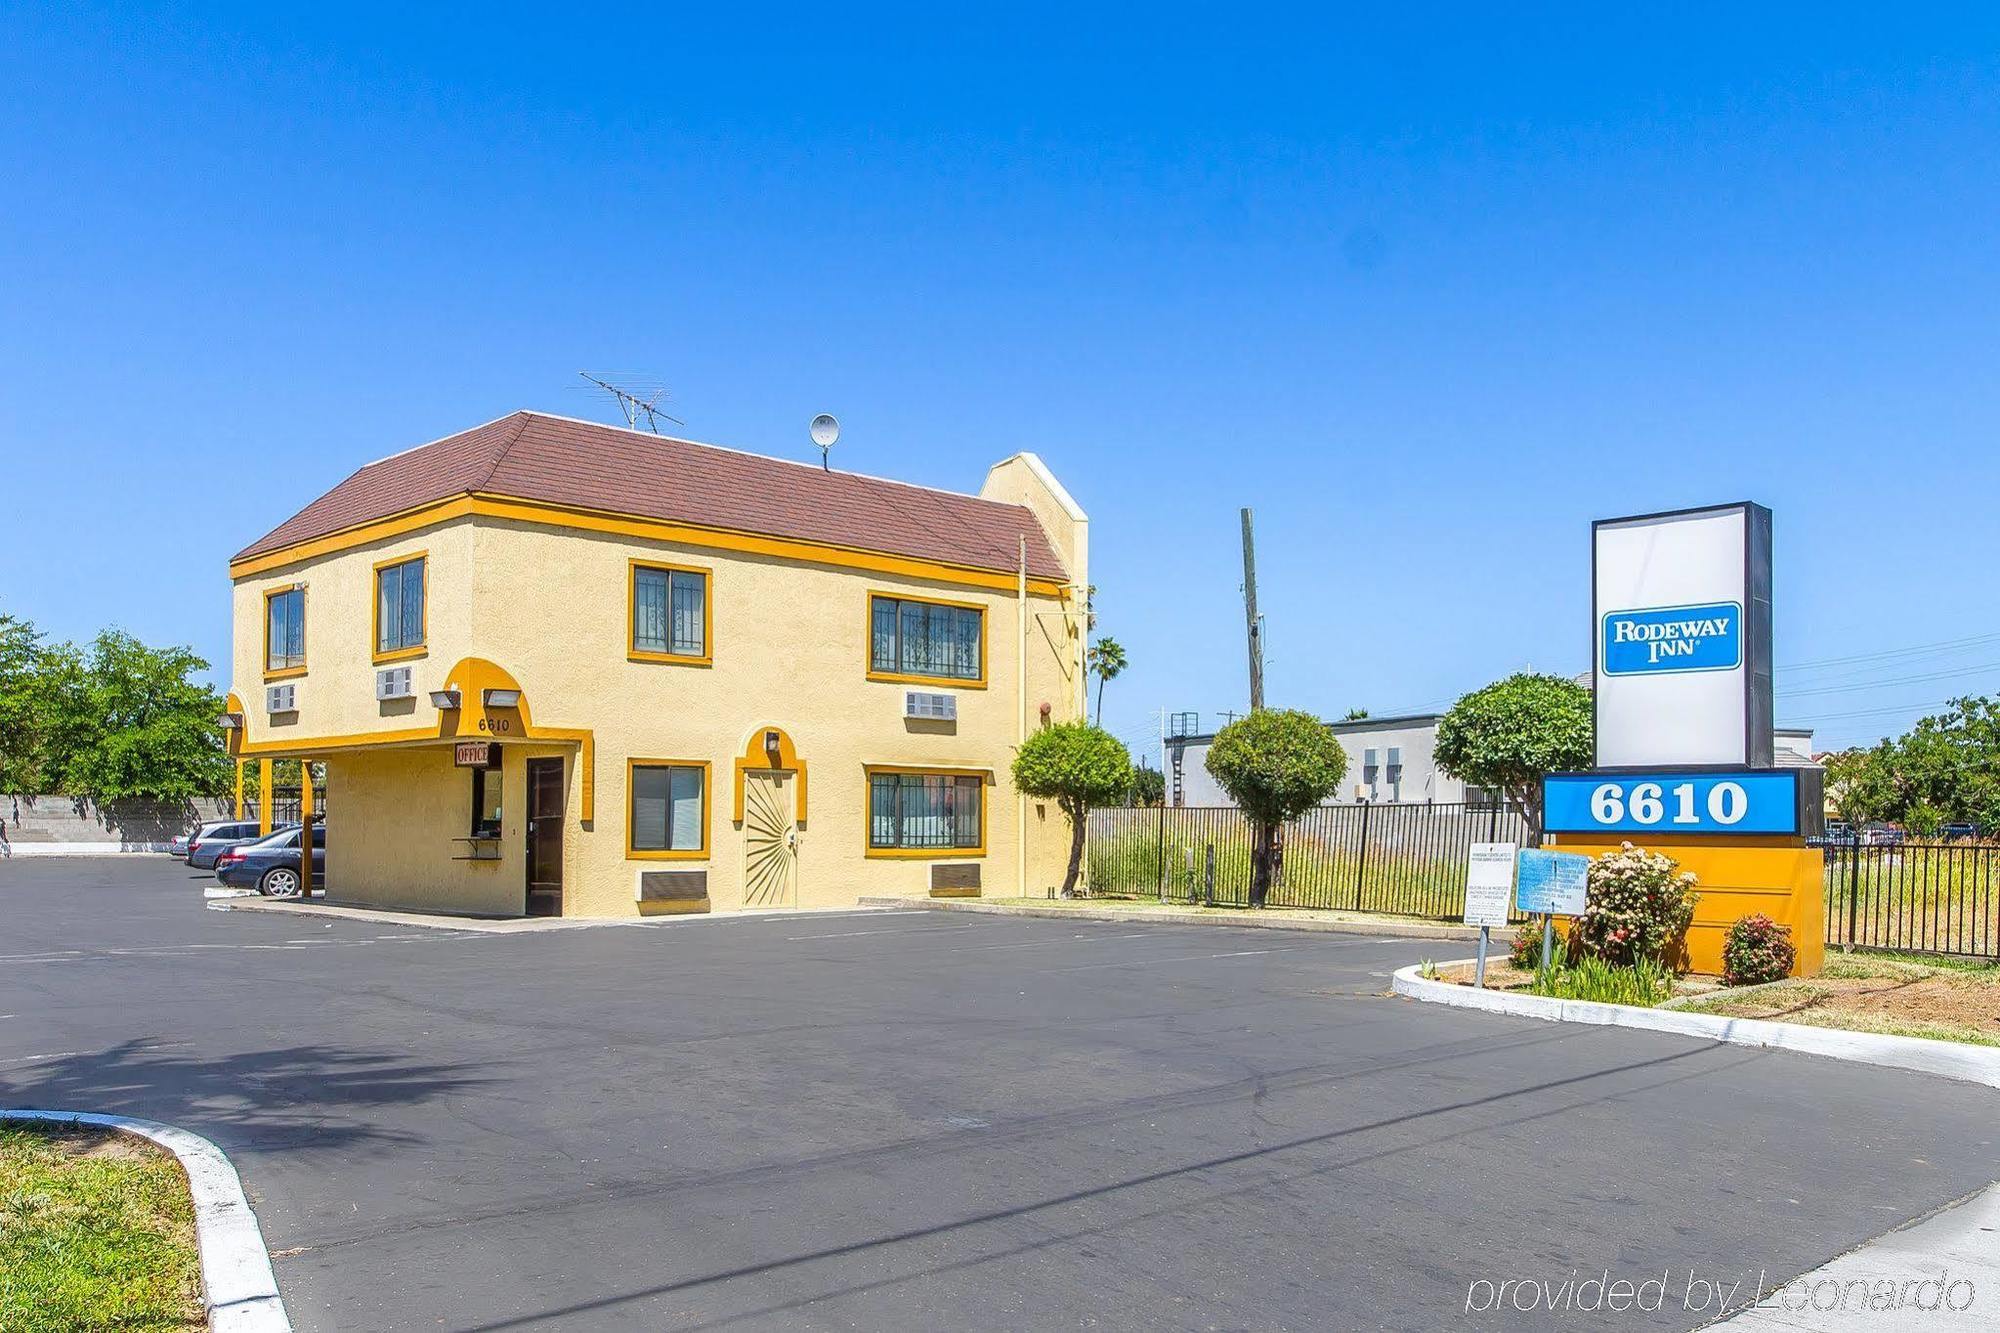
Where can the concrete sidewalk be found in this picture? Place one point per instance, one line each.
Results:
(1264, 918)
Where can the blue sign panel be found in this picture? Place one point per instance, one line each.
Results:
(1557, 883)
(1757, 801)
(1708, 637)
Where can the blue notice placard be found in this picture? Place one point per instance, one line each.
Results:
(1554, 882)
(1707, 636)
(1759, 801)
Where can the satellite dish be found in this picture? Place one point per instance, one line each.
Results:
(825, 430)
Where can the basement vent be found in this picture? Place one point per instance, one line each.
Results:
(281, 698)
(931, 707)
(393, 683)
(963, 876)
(674, 890)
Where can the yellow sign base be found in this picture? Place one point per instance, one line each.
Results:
(1737, 877)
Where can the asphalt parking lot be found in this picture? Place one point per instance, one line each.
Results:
(920, 1120)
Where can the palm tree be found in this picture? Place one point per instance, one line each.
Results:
(1107, 659)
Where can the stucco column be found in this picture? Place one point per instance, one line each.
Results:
(305, 829)
(264, 766)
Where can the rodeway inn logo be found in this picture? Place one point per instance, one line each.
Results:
(1708, 637)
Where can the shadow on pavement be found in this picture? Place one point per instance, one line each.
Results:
(296, 1097)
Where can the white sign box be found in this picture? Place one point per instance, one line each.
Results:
(1489, 883)
(1681, 638)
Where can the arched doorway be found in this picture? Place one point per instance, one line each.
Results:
(771, 811)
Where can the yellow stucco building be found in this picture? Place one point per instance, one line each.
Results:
(552, 666)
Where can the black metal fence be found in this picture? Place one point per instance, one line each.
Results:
(1404, 859)
(285, 804)
(1941, 898)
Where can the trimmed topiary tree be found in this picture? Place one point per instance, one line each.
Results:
(1276, 764)
(1513, 733)
(1076, 765)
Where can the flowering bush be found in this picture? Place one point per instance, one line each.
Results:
(1758, 949)
(1527, 947)
(1639, 906)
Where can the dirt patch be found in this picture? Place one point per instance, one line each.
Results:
(99, 1144)
(1953, 1004)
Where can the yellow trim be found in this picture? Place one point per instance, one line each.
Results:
(903, 678)
(921, 853)
(473, 676)
(633, 652)
(485, 505)
(755, 760)
(284, 673)
(409, 651)
(633, 853)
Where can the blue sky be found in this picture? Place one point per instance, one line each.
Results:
(1429, 292)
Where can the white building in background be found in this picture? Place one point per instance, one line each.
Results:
(1389, 762)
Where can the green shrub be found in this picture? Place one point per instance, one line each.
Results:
(1646, 982)
(1639, 906)
(1758, 949)
(1528, 947)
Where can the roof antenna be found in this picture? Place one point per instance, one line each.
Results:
(825, 430)
(634, 407)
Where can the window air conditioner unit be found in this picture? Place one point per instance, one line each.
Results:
(935, 707)
(281, 698)
(393, 683)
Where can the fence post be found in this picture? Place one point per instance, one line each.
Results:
(1208, 880)
(1160, 861)
(1361, 856)
(1853, 887)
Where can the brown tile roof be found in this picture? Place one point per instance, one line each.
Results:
(530, 456)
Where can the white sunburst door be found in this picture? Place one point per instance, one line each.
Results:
(770, 840)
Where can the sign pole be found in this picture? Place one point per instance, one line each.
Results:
(1548, 942)
(1479, 975)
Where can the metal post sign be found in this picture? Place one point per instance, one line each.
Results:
(1681, 638)
(1552, 883)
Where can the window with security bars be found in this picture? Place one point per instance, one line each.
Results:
(399, 606)
(669, 611)
(285, 630)
(925, 639)
(924, 811)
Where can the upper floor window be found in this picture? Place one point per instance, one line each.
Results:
(669, 613)
(399, 607)
(285, 630)
(933, 640)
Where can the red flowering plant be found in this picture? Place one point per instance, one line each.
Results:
(1639, 906)
(1758, 949)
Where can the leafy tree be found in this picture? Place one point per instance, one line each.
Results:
(24, 707)
(1859, 787)
(1076, 765)
(1511, 734)
(1276, 764)
(1107, 659)
(1355, 715)
(136, 725)
(1149, 785)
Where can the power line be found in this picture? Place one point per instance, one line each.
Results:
(1948, 645)
(1890, 680)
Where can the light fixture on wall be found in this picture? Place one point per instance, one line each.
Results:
(445, 700)
(502, 698)
(230, 721)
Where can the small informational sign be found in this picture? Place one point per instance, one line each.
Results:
(1489, 883)
(1556, 883)
(473, 754)
(1763, 801)
(1681, 604)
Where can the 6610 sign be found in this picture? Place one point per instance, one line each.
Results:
(1746, 801)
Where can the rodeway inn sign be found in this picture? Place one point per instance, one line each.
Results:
(1674, 638)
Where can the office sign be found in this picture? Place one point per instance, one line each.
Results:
(1489, 883)
(1765, 802)
(473, 754)
(1681, 604)
(1555, 883)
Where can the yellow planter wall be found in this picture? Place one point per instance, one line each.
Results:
(1783, 880)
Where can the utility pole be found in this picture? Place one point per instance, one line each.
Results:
(1250, 616)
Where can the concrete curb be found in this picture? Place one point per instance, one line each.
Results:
(236, 1278)
(1402, 930)
(1972, 1064)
